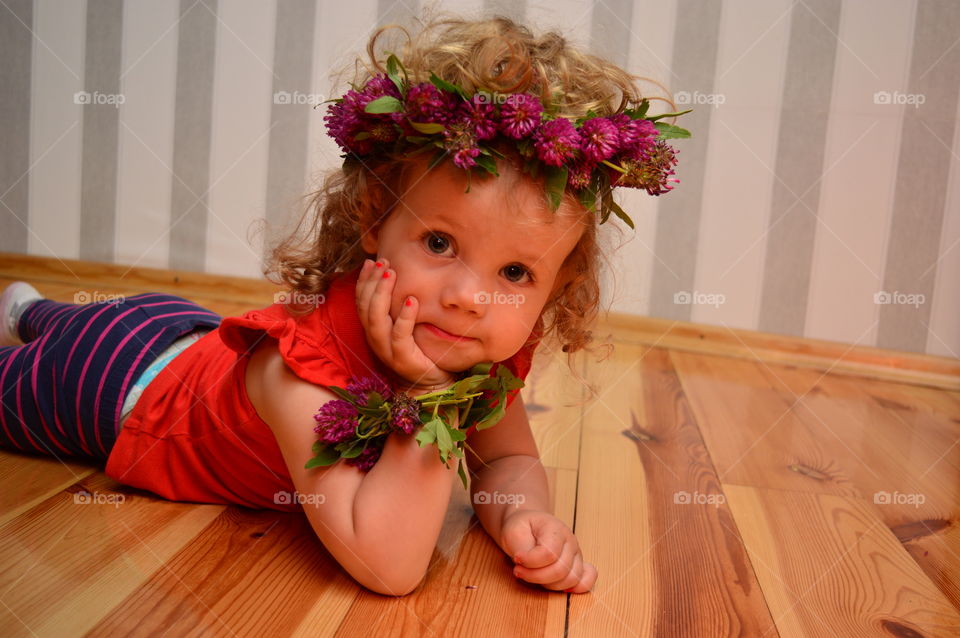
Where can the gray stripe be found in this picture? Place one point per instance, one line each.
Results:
(193, 121)
(811, 57)
(101, 116)
(516, 11)
(923, 175)
(290, 114)
(678, 222)
(16, 47)
(610, 30)
(397, 12)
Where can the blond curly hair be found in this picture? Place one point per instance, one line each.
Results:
(496, 55)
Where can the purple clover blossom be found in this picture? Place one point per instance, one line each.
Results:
(520, 115)
(347, 118)
(426, 103)
(637, 137)
(581, 174)
(556, 141)
(362, 387)
(460, 141)
(481, 117)
(366, 459)
(653, 173)
(600, 139)
(405, 413)
(336, 421)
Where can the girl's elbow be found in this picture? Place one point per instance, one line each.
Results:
(392, 584)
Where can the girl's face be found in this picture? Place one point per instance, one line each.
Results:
(481, 264)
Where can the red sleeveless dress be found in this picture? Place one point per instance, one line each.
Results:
(194, 435)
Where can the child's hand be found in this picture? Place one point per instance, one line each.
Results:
(393, 341)
(546, 552)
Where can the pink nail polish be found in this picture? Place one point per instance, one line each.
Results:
(408, 302)
(379, 265)
(386, 274)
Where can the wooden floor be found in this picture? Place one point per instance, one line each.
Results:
(721, 491)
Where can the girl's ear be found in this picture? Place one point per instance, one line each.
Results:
(369, 240)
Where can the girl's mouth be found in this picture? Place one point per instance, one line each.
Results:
(443, 334)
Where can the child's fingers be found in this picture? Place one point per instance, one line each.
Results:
(550, 545)
(380, 324)
(587, 580)
(403, 326)
(571, 579)
(556, 570)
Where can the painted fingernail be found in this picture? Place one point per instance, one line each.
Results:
(408, 302)
(386, 273)
(379, 265)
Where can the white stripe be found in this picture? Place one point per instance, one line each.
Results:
(741, 158)
(860, 160)
(55, 174)
(148, 83)
(242, 101)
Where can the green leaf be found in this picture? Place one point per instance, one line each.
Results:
(619, 212)
(343, 394)
(324, 456)
(492, 418)
(462, 474)
(654, 118)
(427, 128)
(487, 163)
(354, 450)
(640, 112)
(444, 440)
(443, 85)
(669, 131)
(393, 68)
(384, 104)
(426, 435)
(556, 183)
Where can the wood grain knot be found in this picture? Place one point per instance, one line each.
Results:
(816, 475)
(900, 631)
(918, 529)
(638, 435)
(258, 535)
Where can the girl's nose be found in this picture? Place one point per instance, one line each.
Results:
(464, 290)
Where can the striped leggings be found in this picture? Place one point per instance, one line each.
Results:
(63, 390)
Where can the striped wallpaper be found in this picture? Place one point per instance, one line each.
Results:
(820, 196)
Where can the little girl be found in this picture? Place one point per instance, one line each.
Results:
(478, 164)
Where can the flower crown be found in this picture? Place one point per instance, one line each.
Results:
(592, 156)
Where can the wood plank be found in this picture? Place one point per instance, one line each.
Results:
(68, 561)
(650, 505)
(26, 480)
(470, 588)
(916, 486)
(839, 358)
(554, 398)
(123, 278)
(754, 433)
(829, 567)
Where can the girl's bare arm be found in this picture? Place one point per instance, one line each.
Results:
(381, 526)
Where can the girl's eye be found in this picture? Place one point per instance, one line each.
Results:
(515, 273)
(437, 243)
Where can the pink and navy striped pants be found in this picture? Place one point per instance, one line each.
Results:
(63, 390)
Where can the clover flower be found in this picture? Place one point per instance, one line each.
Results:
(481, 118)
(520, 115)
(460, 140)
(361, 388)
(653, 173)
(426, 103)
(366, 459)
(556, 141)
(600, 139)
(336, 421)
(405, 413)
